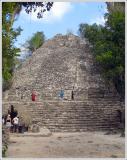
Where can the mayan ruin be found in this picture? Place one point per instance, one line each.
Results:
(63, 80)
(62, 63)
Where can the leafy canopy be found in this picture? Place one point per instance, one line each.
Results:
(108, 44)
(36, 41)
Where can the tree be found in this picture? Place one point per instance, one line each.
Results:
(108, 44)
(9, 36)
(32, 7)
(116, 27)
(36, 41)
(14, 8)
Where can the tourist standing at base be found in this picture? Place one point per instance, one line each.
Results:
(13, 113)
(8, 122)
(21, 125)
(16, 122)
(3, 120)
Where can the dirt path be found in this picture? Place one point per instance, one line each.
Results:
(63, 145)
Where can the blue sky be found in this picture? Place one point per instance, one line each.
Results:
(62, 17)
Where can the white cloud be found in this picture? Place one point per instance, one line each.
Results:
(24, 49)
(57, 12)
(24, 52)
(105, 10)
(98, 20)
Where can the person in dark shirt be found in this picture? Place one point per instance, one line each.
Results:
(72, 94)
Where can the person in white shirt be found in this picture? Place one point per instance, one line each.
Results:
(16, 123)
(8, 122)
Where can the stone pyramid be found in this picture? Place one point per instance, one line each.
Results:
(64, 62)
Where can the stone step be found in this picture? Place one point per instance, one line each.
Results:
(85, 128)
(79, 123)
(95, 100)
(75, 121)
(81, 126)
(69, 112)
(80, 130)
(90, 116)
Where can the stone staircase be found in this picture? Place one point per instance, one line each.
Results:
(64, 62)
(73, 116)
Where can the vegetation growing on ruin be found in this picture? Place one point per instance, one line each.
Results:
(35, 41)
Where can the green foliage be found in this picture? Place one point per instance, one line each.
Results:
(108, 44)
(15, 8)
(36, 41)
(4, 150)
(5, 140)
(9, 35)
(33, 6)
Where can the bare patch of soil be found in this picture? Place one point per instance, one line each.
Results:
(65, 145)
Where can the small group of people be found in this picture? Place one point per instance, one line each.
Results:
(61, 94)
(12, 121)
(11, 124)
